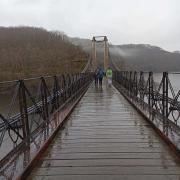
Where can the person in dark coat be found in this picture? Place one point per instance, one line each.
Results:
(100, 76)
(96, 76)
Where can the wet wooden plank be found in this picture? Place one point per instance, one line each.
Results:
(105, 138)
(107, 162)
(104, 145)
(116, 170)
(104, 170)
(106, 177)
(108, 155)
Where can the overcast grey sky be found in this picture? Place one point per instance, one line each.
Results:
(155, 22)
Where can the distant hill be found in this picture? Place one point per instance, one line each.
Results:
(147, 58)
(138, 57)
(29, 52)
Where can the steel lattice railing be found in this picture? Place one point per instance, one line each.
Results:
(157, 101)
(37, 108)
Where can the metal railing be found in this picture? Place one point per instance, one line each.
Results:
(36, 108)
(154, 96)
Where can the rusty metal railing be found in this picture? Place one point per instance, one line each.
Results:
(35, 109)
(154, 96)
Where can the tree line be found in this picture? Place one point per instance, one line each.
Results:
(30, 52)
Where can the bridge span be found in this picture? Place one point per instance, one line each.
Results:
(74, 129)
(106, 138)
(65, 127)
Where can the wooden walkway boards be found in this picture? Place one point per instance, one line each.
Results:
(105, 138)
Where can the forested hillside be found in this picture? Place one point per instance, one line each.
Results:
(147, 58)
(29, 52)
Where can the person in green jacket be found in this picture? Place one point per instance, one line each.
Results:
(109, 75)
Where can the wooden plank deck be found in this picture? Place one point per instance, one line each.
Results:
(105, 138)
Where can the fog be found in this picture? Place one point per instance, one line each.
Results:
(120, 52)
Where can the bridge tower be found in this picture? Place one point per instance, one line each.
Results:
(100, 39)
(94, 57)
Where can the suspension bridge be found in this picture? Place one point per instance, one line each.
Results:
(66, 127)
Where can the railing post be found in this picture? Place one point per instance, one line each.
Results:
(73, 84)
(23, 112)
(135, 84)
(130, 84)
(119, 77)
(150, 95)
(64, 95)
(123, 78)
(165, 103)
(141, 84)
(150, 89)
(55, 93)
(126, 79)
(68, 79)
(44, 100)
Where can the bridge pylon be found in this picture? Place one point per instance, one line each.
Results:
(100, 39)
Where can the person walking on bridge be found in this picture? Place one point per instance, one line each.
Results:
(109, 75)
(100, 76)
(96, 76)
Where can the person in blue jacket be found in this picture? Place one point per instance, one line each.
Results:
(100, 75)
